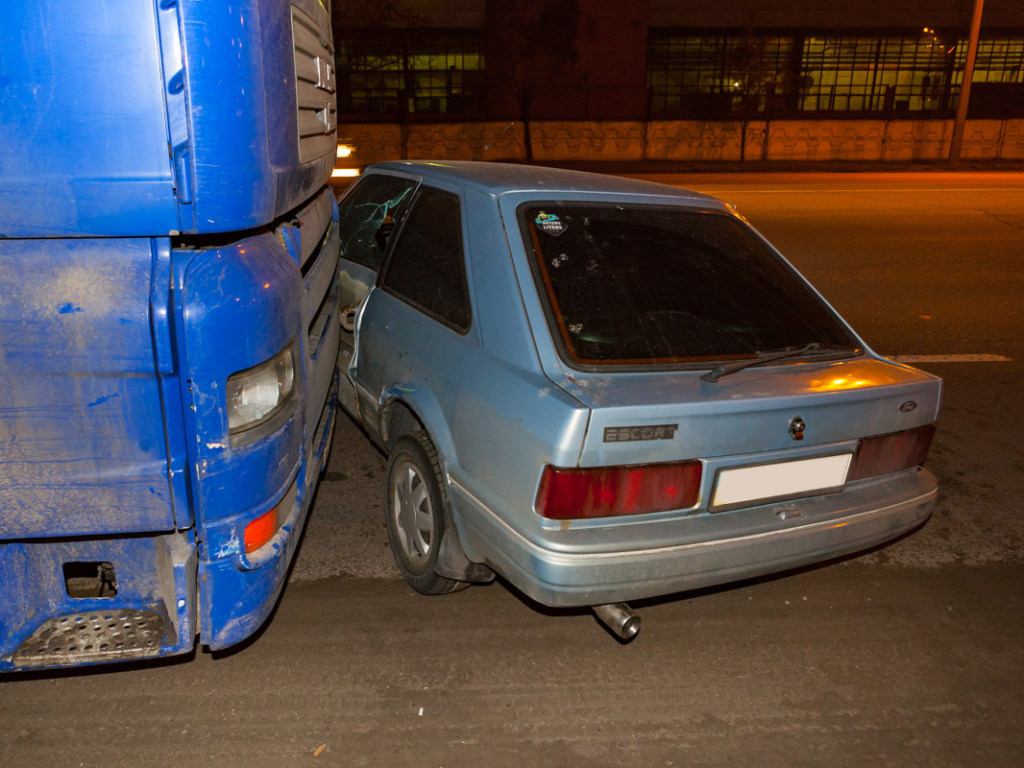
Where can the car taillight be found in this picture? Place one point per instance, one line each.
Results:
(571, 494)
(889, 453)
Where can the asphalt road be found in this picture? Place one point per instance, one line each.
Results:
(917, 263)
(911, 655)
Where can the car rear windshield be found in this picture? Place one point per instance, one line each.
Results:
(645, 285)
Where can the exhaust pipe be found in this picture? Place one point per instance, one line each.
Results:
(619, 618)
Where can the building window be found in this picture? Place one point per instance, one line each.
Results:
(716, 75)
(411, 71)
(997, 89)
(872, 74)
(999, 60)
(701, 75)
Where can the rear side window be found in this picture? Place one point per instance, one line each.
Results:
(362, 211)
(426, 267)
(645, 285)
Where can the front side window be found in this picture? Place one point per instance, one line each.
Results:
(426, 267)
(645, 285)
(374, 198)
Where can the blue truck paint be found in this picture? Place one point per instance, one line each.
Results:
(187, 108)
(164, 224)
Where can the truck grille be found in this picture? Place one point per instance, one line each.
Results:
(314, 88)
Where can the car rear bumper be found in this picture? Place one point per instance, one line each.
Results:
(814, 530)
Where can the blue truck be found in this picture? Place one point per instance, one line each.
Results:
(169, 318)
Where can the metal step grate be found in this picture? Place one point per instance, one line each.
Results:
(93, 636)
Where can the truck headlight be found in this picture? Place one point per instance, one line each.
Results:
(256, 395)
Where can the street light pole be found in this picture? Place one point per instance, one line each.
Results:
(956, 144)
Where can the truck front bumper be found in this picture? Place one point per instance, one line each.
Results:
(46, 622)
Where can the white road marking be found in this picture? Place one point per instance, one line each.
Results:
(851, 190)
(950, 358)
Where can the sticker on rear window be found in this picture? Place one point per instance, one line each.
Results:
(550, 223)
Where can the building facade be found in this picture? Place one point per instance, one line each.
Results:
(647, 62)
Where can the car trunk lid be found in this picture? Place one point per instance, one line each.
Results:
(674, 415)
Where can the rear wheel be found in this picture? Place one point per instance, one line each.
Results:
(415, 513)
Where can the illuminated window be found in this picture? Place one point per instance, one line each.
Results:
(709, 75)
(411, 71)
(692, 73)
(997, 89)
(999, 60)
(875, 74)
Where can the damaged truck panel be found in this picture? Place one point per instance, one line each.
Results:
(82, 429)
(169, 319)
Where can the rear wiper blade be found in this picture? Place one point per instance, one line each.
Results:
(724, 369)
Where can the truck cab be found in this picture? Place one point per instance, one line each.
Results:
(169, 319)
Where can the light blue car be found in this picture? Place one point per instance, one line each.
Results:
(606, 390)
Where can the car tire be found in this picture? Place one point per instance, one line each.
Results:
(415, 508)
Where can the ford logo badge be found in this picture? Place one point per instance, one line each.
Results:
(907, 406)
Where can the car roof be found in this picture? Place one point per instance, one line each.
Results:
(500, 178)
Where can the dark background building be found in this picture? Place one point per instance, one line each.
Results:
(416, 60)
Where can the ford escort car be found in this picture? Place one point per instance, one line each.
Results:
(605, 389)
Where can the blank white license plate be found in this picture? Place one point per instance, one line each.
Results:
(782, 480)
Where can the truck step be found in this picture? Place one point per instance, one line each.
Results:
(93, 636)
